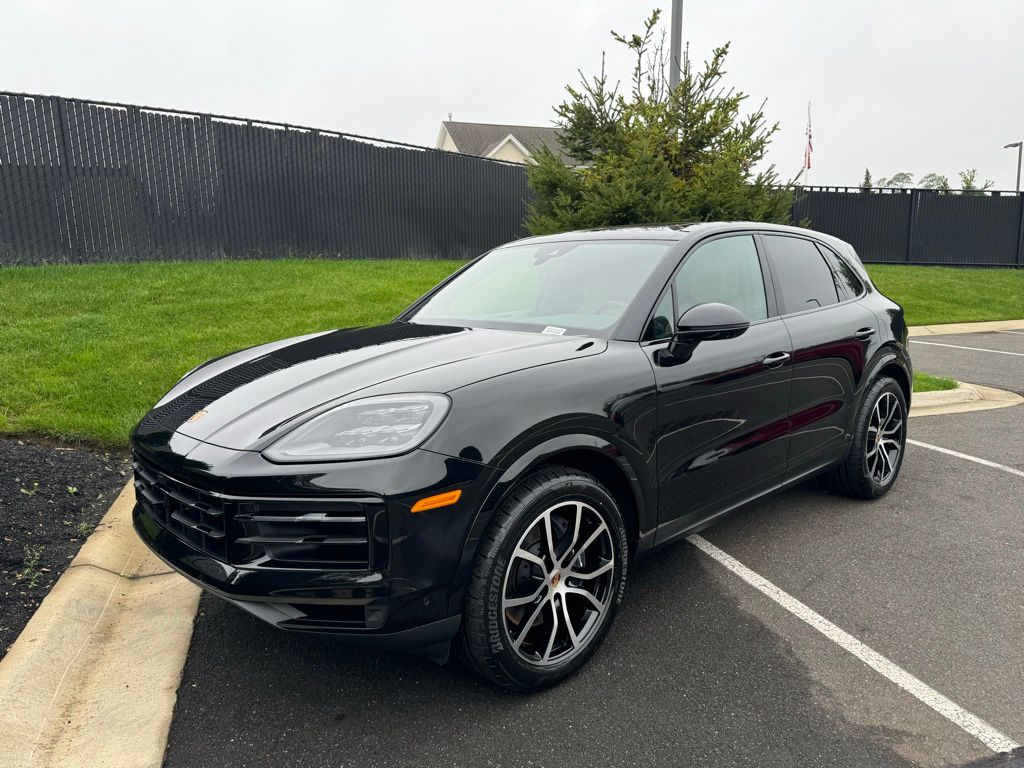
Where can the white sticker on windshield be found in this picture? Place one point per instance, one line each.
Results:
(553, 330)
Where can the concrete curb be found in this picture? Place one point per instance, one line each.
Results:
(93, 677)
(968, 397)
(951, 328)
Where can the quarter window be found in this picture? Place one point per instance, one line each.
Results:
(726, 271)
(802, 278)
(848, 284)
(662, 323)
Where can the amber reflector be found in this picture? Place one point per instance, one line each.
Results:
(439, 500)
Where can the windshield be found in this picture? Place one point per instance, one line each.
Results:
(574, 288)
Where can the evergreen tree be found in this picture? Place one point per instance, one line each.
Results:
(656, 154)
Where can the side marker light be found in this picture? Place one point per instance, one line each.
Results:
(439, 500)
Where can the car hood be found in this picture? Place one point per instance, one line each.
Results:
(245, 400)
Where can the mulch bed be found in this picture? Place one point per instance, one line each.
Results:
(51, 498)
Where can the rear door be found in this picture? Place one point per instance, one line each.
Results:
(832, 336)
(722, 413)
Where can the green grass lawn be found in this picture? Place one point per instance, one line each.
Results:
(925, 382)
(86, 350)
(945, 295)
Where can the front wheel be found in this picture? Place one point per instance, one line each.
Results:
(879, 442)
(546, 582)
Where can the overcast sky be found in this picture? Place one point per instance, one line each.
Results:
(915, 85)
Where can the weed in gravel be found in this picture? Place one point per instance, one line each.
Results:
(72, 490)
(32, 491)
(31, 574)
(81, 529)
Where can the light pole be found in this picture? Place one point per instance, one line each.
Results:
(675, 56)
(1020, 146)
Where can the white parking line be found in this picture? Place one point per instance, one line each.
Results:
(1015, 333)
(975, 726)
(959, 455)
(973, 349)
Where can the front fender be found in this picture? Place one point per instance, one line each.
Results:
(603, 404)
(518, 465)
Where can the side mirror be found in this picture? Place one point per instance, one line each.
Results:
(705, 322)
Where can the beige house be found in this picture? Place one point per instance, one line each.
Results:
(513, 143)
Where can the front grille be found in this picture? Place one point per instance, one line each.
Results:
(348, 533)
(188, 513)
(305, 535)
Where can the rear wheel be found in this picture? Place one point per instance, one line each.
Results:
(879, 442)
(547, 581)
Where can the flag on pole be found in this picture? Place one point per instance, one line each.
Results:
(810, 145)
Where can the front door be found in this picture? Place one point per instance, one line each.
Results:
(722, 428)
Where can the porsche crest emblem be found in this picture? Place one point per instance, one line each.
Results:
(196, 416)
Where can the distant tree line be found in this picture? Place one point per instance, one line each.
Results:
(903, 180)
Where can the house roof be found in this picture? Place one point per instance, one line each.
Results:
(483, 138)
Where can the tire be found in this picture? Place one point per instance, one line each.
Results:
(505, 636)
(872, 467)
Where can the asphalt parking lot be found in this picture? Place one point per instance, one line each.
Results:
(701, 668)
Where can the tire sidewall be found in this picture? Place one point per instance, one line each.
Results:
(879, 388)
(518, 521)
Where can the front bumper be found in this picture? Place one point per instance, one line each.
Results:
(326, 602)
(397, 596)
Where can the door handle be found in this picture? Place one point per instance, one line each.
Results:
(775, 360)
(864, 334)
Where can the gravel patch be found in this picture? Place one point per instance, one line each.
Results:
(51, 498)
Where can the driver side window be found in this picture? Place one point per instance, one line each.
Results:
(726, 271)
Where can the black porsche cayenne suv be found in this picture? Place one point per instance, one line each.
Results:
(481, 471)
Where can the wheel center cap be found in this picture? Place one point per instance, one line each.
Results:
(556, 578)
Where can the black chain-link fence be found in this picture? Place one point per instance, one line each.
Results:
(85, 181)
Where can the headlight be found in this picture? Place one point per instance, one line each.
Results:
(363, 429)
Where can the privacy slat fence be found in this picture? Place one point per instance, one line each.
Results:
(86, 182)
(919, 226)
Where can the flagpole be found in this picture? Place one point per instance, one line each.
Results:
(807, 163)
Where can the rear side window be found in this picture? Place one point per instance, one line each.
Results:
(803, 280)
(848, 284)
